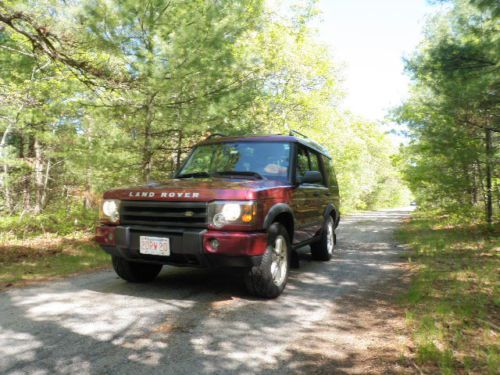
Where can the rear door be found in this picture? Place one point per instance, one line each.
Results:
(333, 187)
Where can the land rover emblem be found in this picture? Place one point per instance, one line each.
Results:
(189, 213)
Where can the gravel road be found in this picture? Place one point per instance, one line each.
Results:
(201, 322)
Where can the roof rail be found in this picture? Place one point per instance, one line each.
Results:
(292, 132)
(216, 135)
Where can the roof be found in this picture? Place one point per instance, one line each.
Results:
(268, 138)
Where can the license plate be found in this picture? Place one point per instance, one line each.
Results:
(154, 245)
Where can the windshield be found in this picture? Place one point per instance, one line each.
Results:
(245, 160)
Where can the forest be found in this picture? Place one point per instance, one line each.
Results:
(101, 94)
(452, 113)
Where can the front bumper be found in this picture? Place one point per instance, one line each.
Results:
(188, 247)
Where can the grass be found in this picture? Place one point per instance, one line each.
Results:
(453, 303)
(47, 256)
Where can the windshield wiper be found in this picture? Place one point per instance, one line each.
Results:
(237, 174)
(194, 175)
(240, 174)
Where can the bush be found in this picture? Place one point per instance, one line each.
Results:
(62, 220)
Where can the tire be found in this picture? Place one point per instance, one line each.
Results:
(135, 272)
(268, 279)
(323, 249)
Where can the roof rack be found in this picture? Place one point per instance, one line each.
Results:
(292, 132)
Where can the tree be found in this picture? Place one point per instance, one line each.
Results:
(452, 113)
(98, 94)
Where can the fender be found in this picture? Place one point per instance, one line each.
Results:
(278, 208)
(274, 211)
(328, 211)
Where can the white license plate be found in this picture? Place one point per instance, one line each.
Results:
(154, 245)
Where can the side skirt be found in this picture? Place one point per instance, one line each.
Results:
(306, 242)
(295, 261)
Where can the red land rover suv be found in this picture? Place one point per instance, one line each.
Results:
(245, 202)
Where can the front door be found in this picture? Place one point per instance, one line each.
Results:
(320, 193)
(308, 199)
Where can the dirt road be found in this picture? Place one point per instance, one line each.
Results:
(334, 317)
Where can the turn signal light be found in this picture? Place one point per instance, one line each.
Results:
(246, 218)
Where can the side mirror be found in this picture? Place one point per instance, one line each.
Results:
(311, 177)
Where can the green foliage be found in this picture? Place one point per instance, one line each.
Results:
(366, 164)
(101, 94)
(61, 220)
(453, 299)
(452, 108)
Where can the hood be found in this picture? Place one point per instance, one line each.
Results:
(199, 189)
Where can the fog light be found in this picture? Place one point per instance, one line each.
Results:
(214, 243)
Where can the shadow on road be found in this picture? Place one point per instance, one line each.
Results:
(198, 321)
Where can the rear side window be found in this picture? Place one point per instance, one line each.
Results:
(329, 172)
(313, 158)
(315, 164)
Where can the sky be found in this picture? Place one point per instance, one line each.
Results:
(369, 39)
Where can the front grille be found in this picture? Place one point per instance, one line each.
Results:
(168, 214)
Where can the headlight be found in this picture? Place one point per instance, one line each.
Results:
(110, 211)
(231, 211)
(222, 213)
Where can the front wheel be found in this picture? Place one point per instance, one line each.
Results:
(323, 249)
(135, 272)
(268, 279)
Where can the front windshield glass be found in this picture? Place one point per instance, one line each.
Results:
(264, 159)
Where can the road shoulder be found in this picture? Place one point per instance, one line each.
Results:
(364, 333)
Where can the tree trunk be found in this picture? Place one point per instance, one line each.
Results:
(6, 188)
(489, 192)
(38, 177)
(45, 184)
(179, 151)
(26, 180)
(147, 153)
(4, 178)
(475, 179)
(87, 203)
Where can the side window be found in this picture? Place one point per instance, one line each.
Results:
(302, 162)
(329, 172)
(314, 158)
(333, 177)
